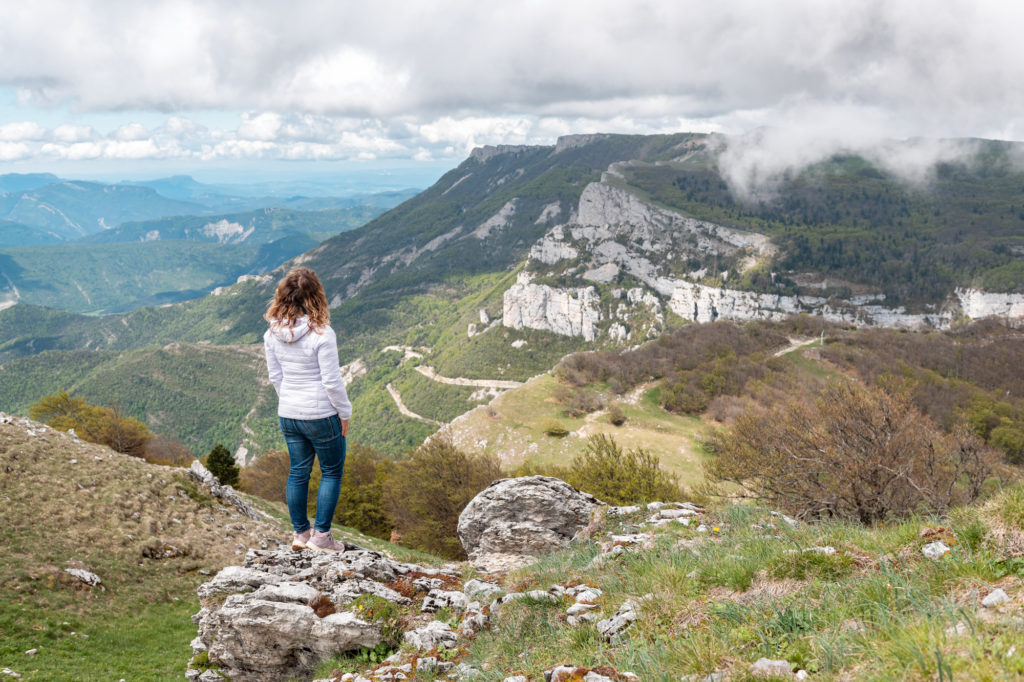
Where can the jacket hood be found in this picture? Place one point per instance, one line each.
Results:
(287, 334)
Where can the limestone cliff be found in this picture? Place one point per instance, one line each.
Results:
(617, 237)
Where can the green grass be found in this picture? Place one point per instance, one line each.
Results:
(876, 610)
(513, 430)
(131, 639)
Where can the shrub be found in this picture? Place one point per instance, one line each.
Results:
(618, 477)
(103, 425)
(222, 465)
(553, 427)
(425, 494)
(267, 475)
(578, 401)
(859, 453)
(361, 503)
(616, 416)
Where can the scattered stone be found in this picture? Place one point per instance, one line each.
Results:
(474, 623)
(434, 635)
(995, 598)
(427, 584)
(935, 550)
(577, 609)
(437, 599)
(7, 672)
(623, 511)
(766, 667)
(464, 671)
(87, 577)
(789, 520)
(32, 652)
(480, 588)
(515, 678)
(611, 628)
(530, 516)
(802, 675)
(713, 677)
(224, 493)
(427, 664)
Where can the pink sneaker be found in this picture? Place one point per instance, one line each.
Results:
(300, 540)
(324, 542)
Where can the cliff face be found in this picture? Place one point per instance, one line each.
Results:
(617, 238)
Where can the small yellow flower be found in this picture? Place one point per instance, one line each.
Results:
(715, 529)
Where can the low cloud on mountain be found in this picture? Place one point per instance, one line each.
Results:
(199, 81)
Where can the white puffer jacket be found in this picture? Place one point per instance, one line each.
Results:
(303, 366)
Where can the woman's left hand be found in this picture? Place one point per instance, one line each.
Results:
(344, 427)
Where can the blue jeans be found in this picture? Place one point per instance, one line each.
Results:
(306, 438)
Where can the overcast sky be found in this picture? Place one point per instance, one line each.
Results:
(139, 88)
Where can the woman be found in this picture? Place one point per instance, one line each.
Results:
(313, 406)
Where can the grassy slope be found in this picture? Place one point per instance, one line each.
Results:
(876, 610)
(513, 430)
(100, 513)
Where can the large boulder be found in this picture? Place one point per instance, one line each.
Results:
(522, 517)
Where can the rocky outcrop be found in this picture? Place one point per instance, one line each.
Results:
(616, 235)
(976, 304)
(224, 493)
(283, 611)
(569, 312)
(523, 517)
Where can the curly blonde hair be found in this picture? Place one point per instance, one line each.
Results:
(299, 293)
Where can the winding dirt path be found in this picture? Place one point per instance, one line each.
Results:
(794, 344)
(406, 411)
(500, 384)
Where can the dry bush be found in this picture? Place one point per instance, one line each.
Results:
(858, 453)
(104, 425)
(168, 451)
(425, 494)
(266, 476)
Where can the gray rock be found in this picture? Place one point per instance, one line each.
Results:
(427, 584)
(531, 515)
(87, 577)
(210, 676)
(480, 588)
(474, 623)
(515, 678)
(766, 667)
(427, 664)
(610, 628)
(935, 550)
(623, 511)
(713, 677)
(464, 671)
(256, 639)
(995, 598)
(437, 599)
(224, 493)
(299, 593)
(349, 590)
(236, 579)
(434, 635)
(579, 609)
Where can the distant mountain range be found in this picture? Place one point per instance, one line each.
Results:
(524, 253)
(41, 208)
(95, 248)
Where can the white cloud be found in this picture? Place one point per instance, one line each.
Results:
(131, 132)
(314, 80)
(69, 132)
(24, 130)
(13, 151)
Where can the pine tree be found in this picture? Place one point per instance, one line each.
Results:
(222, 465)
